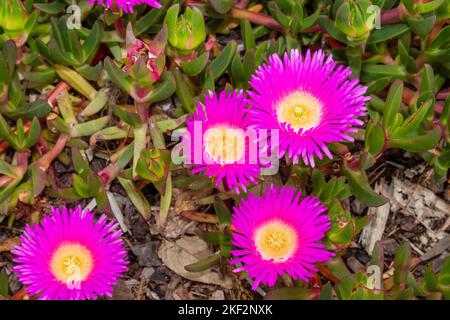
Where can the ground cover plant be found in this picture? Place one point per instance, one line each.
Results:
(283, 149)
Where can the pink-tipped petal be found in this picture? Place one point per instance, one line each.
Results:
(309, 99)
(95, 248)
(279, 233)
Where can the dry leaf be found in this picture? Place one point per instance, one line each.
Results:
(9, 244)
(188, 250)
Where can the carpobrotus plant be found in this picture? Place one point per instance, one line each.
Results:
(69, 256)
(279, 233)
(310, 115)
(217, 142)
(310, 100)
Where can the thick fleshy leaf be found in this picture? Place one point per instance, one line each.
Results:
(360, 187)
(393, 103)
(221, 6)
(204, 264)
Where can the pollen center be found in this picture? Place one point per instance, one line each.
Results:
(71, 262)
(276, 241)
(225, 145)
(300, 110)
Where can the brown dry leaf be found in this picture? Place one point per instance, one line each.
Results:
(188, 250)
(374, 230)
(177, 226)
(186, 200)
(9, 244)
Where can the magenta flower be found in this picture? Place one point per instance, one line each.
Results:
(127, 5)
(217, 142)
(279, 233)
(68, 256)
(310, 100)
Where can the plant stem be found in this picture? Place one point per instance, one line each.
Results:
(256, 18)
(44, 162)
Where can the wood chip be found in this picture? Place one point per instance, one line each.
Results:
(374, 230)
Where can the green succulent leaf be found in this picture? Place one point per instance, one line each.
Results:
(204, 264)
(221, 6)
(417, 142)
(222, 213)
(375, 138)
(402, 264)
(219, 65)
(195, 66)
(393, 104)
(387, 32)
(360, 187)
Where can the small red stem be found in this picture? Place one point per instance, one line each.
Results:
(51, 155)
(57, 90)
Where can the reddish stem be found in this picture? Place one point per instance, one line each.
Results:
(443, 94)
(392, 16)
(53, 95)
(256, 18)
(328, 274)
(101, 54)
(241, 4)
(51, 155)
(21, 158)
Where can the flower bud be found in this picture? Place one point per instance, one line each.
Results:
(145, 60)
(187, 31)
(355, 20)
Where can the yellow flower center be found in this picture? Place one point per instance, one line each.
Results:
(71, 263)
(300, 110)
(225, 145)
(276, 241)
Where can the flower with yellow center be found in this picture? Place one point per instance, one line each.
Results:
(279, 233)
(276, 240)
(225, 145)
(310, 100)
(71, 262)
(300, 110)
(70, 255)
(218, 138)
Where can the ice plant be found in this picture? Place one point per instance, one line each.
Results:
(279, 233)
(186, 31)
(145, 60)
(126, 5)
(69, 256)
(310, 100)
(217, 143)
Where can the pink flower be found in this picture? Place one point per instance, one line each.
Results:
(310, 100)
(279, 233)
(217, 143)
(68, 256)
(127, 5)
